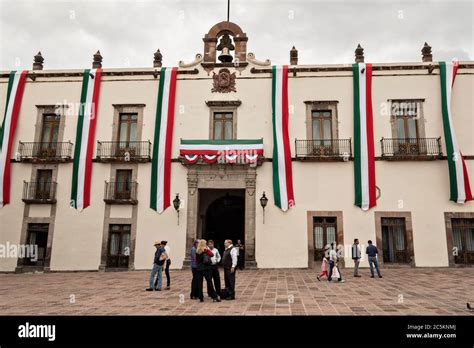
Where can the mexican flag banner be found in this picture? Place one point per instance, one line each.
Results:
(458, 177)
(282, 170)
(16, 86)
(86, 121)
(364, 164)
(161, 162)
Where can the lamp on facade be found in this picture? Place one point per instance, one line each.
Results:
(263, 203)
(176, 204)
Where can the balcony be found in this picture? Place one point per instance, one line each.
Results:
(415, 149)
(124, 151)
(121, 192)
(47, 152)
(323, 150)
(39, 192)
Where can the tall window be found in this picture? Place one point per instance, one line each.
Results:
(123, 184)
(322, 124)
(406, 115)
(43, 183)
(463, 240)
(324, 229)
(394, 240)
(119, 246)
(223, 125)
(50, 128)
(127, 127)
(38, 235)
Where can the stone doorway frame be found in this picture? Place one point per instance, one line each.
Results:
(221, 176)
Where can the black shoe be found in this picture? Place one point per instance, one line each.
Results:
(217, 299)
(168, 288)
(149, 289)
(194, 298)
(230, 298)
(157, 289)
(357, 276)
(201, 300)
(380, 276)
(371, 276)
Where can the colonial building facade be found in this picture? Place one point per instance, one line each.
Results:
(223, 102)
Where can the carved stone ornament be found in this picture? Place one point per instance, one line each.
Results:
(224, 82)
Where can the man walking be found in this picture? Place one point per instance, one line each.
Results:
(372, 253)
(356, 255)
(216, 277)
(229, 261)
(167, 265)
(157, 269)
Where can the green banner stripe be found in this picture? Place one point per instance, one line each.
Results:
(11, 79)
(357, 145)
(79, 131)
(156, 141)
(276, 181)
(223, 142)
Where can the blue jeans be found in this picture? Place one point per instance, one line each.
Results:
(157, 269)
(373, 261)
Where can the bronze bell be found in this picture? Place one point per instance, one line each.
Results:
(225, 56)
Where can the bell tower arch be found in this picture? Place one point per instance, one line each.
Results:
(225, 31)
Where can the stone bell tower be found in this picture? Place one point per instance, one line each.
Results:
(223, 38)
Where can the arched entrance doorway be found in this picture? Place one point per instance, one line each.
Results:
(222, 214)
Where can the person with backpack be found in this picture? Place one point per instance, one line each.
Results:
(229, 261)
(203, 268)
(157, 269)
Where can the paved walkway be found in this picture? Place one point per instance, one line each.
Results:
(259, 292)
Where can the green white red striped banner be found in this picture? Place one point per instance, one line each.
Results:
(217, 147)
(364, 163)
(16, 86)
(161, 162)
(82, 166)
(282, 170)
(460, 190)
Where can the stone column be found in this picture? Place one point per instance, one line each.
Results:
(250, 199)
(192, 214)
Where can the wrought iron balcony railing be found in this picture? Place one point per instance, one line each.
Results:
(121, 192)
(411, 148)
(124, 151)
(42, 192)
(45, 151)
(330, 149)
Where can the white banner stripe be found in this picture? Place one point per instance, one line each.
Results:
(6, 131)
(279, 137)
(84, 141)
(161, 149)
(364, 161)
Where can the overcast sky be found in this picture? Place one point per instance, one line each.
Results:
(128, 32)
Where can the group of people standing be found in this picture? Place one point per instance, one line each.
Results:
(205, 258)
(331, 259)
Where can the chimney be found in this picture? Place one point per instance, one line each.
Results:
(157, 62)
(359, 54)
(293, 56)
(38, 62)
(97, 62)
(426, 53)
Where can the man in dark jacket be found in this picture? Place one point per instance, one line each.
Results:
(157, 269)
(229, 261)
(372, 252)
